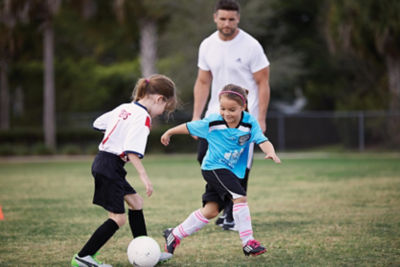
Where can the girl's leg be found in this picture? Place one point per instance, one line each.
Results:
(196, 220)
(193, 223)
(137, 222)
(241, 213)
(102, 234)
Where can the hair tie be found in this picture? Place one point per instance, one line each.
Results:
(235, 93)
(146, 81)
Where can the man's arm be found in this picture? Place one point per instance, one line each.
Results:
(262, 80)
(201, 92)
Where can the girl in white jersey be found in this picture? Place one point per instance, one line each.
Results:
(126, 129)
(228, 134)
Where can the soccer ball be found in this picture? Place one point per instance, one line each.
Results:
(143, 251)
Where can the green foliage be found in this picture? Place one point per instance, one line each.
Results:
(88, 86)
(336, 51)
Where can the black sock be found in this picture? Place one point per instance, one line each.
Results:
(137, 223)
(99, 238)
(228, 212)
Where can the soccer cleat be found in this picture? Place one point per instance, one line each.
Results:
(164, 256)
(220, 220)
(253, 248)
(229, 225)
(87, 261)
(171, 241)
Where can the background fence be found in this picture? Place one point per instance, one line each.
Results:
(311, 130)
(348, 129)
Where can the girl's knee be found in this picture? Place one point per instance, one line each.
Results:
(119, 219)
(210, 210)
(135, 201)
(240, 200)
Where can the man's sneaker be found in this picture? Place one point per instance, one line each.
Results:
(164, 256)
(229, 225)
(220, 220)
(171, 242)
(87, 261)
(253, 248)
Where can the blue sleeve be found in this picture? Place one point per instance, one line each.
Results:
(198, 128)
(257, 135)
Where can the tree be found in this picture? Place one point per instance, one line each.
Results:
(47, 11)
(147, 15)
(369, 30)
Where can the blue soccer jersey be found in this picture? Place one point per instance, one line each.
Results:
(225, 145)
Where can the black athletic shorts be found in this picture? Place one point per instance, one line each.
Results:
(110, 183)
(222, 186)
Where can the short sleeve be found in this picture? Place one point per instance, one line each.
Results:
(257, 135)
(258, 58)
(201, 61)
(101, 122)
(198, 128)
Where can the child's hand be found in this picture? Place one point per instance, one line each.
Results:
(165, 138)
(274, 157)
(149, 188)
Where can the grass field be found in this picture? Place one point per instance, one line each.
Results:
(312, 210)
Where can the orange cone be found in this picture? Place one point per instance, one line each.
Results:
(1, 214)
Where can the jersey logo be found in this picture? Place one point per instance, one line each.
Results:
(124, 114)
(243, 139)
(231, 157)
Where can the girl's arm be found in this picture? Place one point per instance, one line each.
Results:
(180, 129)
(269, 151)
(137, 163)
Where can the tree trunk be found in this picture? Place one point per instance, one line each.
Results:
(148, 47)
(393, 68)
(4, 98)
(49, 122)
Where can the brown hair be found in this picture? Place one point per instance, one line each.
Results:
(236, 93)
(156, 84)
(230, 5)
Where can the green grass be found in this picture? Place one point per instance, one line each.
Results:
(312, 210)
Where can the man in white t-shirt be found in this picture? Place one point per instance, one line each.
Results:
(230, 55)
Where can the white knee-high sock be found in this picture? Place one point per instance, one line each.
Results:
(192, 224)
(241, 214)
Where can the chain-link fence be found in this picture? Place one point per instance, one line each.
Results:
(348, 129)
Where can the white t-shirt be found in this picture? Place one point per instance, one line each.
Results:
(234, 62)
(126, 130)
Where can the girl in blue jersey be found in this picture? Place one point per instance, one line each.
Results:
(228, 134)
(126, 129)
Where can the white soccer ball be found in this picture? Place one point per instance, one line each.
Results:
(143, 251)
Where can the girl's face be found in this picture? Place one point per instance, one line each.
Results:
(230, 110)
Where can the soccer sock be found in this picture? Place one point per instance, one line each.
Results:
(241, 213)
(137, 223)
(192, 224)
(99, 238)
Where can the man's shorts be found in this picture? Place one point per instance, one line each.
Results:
(222, 186)
(110, 183)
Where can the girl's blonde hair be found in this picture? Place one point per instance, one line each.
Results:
(235, 93)
(157, 84)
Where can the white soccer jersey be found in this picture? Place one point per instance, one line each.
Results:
(126, 130)
(234, 62)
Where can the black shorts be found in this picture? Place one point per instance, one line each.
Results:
(222, 186)
(110, 183)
